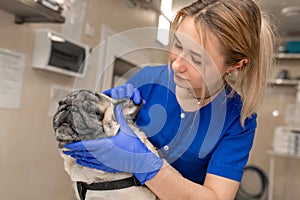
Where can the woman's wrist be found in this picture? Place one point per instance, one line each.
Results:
(157, 163)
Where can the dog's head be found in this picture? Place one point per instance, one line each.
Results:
(85, 115)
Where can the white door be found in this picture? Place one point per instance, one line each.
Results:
(116, 46)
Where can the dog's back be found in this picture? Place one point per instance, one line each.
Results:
(86, 115)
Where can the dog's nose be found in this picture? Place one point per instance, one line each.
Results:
(60, 103)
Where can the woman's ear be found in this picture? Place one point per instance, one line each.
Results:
(241, 63)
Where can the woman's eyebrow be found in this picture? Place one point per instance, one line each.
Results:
(176, 38)
(192, 52)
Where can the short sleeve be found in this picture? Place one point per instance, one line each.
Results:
(138, 78)
(150, 75)
(231, 154)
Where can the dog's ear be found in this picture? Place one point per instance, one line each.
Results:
(110, 125)
(130, 111)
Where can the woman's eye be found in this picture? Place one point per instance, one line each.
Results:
(196, 61)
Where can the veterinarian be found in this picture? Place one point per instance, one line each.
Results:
(199, 111)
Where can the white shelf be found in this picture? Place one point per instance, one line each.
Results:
(287, 56)
(284, 155)
(287, 82)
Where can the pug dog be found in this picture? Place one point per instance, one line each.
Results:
(87, 115)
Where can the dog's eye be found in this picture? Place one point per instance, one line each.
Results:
(100, 115)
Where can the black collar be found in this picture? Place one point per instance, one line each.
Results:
(109, 185)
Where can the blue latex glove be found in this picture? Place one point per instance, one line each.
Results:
(123, 152)
(125, 91)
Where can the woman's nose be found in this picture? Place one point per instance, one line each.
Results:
(178, 63)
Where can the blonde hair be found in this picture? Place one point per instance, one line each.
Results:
(244, 32)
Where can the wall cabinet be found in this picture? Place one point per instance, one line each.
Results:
(30, 11)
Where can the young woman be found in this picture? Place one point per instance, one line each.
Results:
(201, 121)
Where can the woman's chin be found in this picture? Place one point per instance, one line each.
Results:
(182, 83)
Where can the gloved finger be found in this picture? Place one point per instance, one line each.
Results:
(107, 92)
(122, 92)
(136, 97)
(88, 145)
(75, 146)
(88, 158)
(128, 90)
(79, 154)
(132, 93)
(121, 120)
(94, 161)
(98, 166)
(87, 153)
(118, 93)
(119, 115)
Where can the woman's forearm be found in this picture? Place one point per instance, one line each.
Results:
(168, 184)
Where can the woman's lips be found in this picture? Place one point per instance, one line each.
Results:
(180, 77)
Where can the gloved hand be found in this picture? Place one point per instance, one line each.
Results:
(123, 152)
(125, 91)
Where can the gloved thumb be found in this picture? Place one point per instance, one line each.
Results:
(107, 92)
(121, 120)
(136, 97)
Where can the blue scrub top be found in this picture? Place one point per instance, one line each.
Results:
(210, 140)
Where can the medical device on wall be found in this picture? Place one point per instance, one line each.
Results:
(54, 52)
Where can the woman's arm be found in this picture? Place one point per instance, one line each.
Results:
(168, 184)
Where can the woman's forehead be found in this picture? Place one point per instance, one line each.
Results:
(187, 31)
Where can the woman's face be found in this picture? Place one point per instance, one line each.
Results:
(192, 64)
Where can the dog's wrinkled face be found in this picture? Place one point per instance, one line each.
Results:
(84, 115)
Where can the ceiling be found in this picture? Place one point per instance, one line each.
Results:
(288, 25)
